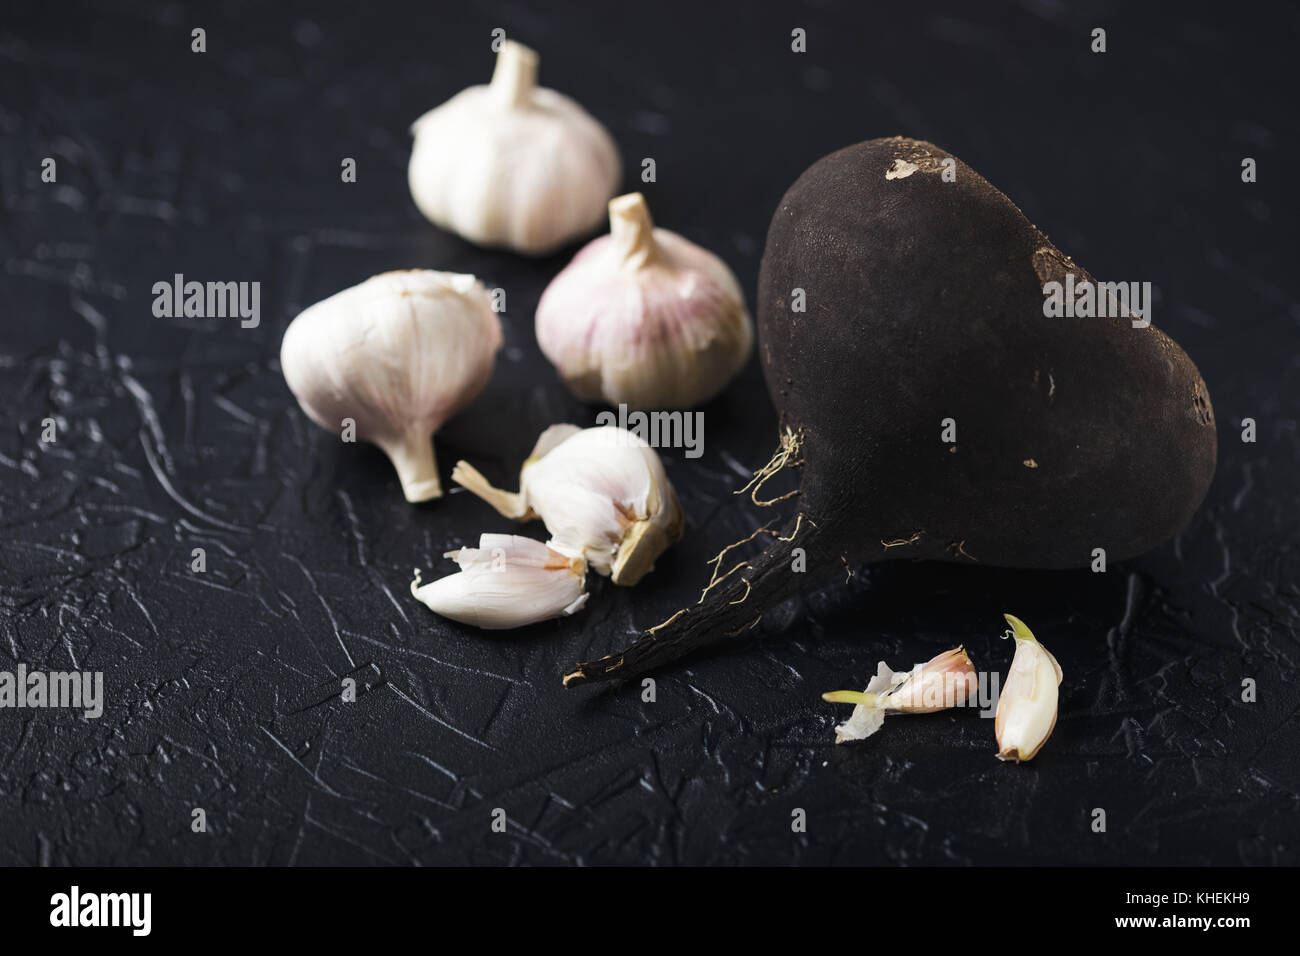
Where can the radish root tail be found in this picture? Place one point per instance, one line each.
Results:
(720, 612)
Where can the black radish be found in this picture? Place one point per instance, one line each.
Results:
(932, 406)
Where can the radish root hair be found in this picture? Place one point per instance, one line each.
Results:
(717, 560)
(787, 456)
(715, 615)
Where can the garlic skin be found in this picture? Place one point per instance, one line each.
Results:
(507, 581)
(399, 354)
(1027, 705)
(644, 318)
(946, 680)
(602, 494)
(513, 164)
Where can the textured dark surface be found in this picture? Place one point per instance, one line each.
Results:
(222, 687)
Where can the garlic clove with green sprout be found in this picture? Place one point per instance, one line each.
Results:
(602, 493)
(1027, 705)
(946, 680)
(513, 164)
(395, 356)
(507, 581)
(644, 318)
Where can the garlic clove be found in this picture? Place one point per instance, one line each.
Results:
(506, 582)
(550, 437)
(644, 541)
(602, 493)
(392, 359)
(946, 680)
(1027, 706)
(513, 164)
(644, 318)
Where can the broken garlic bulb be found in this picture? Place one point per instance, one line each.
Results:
(1027, 705)
(602, 494)
(946, 680)
(511, 163)
(396, 356)
(507, 581)
(642, 317)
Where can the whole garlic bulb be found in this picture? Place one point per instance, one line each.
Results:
(511, 163)
(602, 494)
(642, 317)
(398, 354)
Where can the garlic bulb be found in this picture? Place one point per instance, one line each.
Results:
(602, 493)
(1027, 705)
(507, 581)
(946, 680)
(644, 318)
(397, 355)
(511, 163)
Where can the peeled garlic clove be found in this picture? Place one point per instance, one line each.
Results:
(602, 493)
(644, 318)
(507, 581)
(1027, 705)
(511, 163)
(946, 680)
(397, 355)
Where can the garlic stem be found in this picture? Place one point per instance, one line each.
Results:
(848, 697)
(1019, 629)
(509, 504)
(417, 468)
(515, 75)
(632, 230)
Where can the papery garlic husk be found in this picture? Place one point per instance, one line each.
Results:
(507, 581)
(946, 680)
(1027, 705)
(602, 493)
(644, 318)
(513, 164)
(398, 354)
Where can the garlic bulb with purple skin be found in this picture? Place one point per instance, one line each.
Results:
(644, 318)
(513, 164)
(392, 359)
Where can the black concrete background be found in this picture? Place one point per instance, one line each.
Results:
(222, 687)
